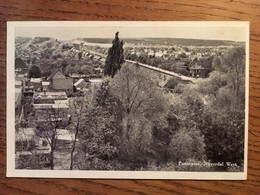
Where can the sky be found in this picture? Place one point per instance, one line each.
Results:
(68, 31)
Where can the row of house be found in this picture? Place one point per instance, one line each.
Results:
(49, 104)
(56, 82)
(59, 82)
(192, 52)
(87, 55)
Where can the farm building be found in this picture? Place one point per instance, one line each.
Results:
(198, 71)
(58, 81)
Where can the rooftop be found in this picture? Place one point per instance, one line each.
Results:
(18, 82)
(18, 90)
(35, 80)
(197, 67)
(79, 81)
(61, 104)
(45, 83)
(20, 75)
(64, 134)
(49, 96)
(58, 72)
(95, 80)
(41, 106)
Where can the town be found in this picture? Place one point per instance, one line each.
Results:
(53, 78)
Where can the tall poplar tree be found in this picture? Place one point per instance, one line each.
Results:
(115, 57)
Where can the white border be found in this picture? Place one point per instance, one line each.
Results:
(10, 130)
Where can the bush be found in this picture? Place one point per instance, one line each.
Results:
(187, 144)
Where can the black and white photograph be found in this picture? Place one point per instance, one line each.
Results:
(142, 100)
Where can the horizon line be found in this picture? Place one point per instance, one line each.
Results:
(239, 41)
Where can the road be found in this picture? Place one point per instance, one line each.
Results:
(194, 80)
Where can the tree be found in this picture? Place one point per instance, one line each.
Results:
(19, 63)
(78, 110)
(142, 104)
(187, 144)
(235, 62)
(115, 57)
(172, 83)
(188, 106)
(207, 63)
(223, 121)
(34, 72)
(87, 69)
(97, 139)
(99, 129)
(162, 137)
(141, 98)
(224, 135)
(64, 64)
(72, 69)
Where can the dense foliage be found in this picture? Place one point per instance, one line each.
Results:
(19, 63)
(140, 126)
(34, 72)
(223, 120)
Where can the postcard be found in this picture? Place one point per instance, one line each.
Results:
(127, 100)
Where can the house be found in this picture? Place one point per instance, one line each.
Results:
(59, 82)
(198, 71)
(45, 85)
(91, 56)
(96, 57)
(61, 104)
(20, 77)
(80, 84)
(98, 70)
(36, 83)
(151, 54)
(18, 95)
(51, 106)
(76, 77)
(159, 54)
(166, 56)
(95, 82)
(28, 93)
(18, 84)
(48, 97)
(51, 103)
